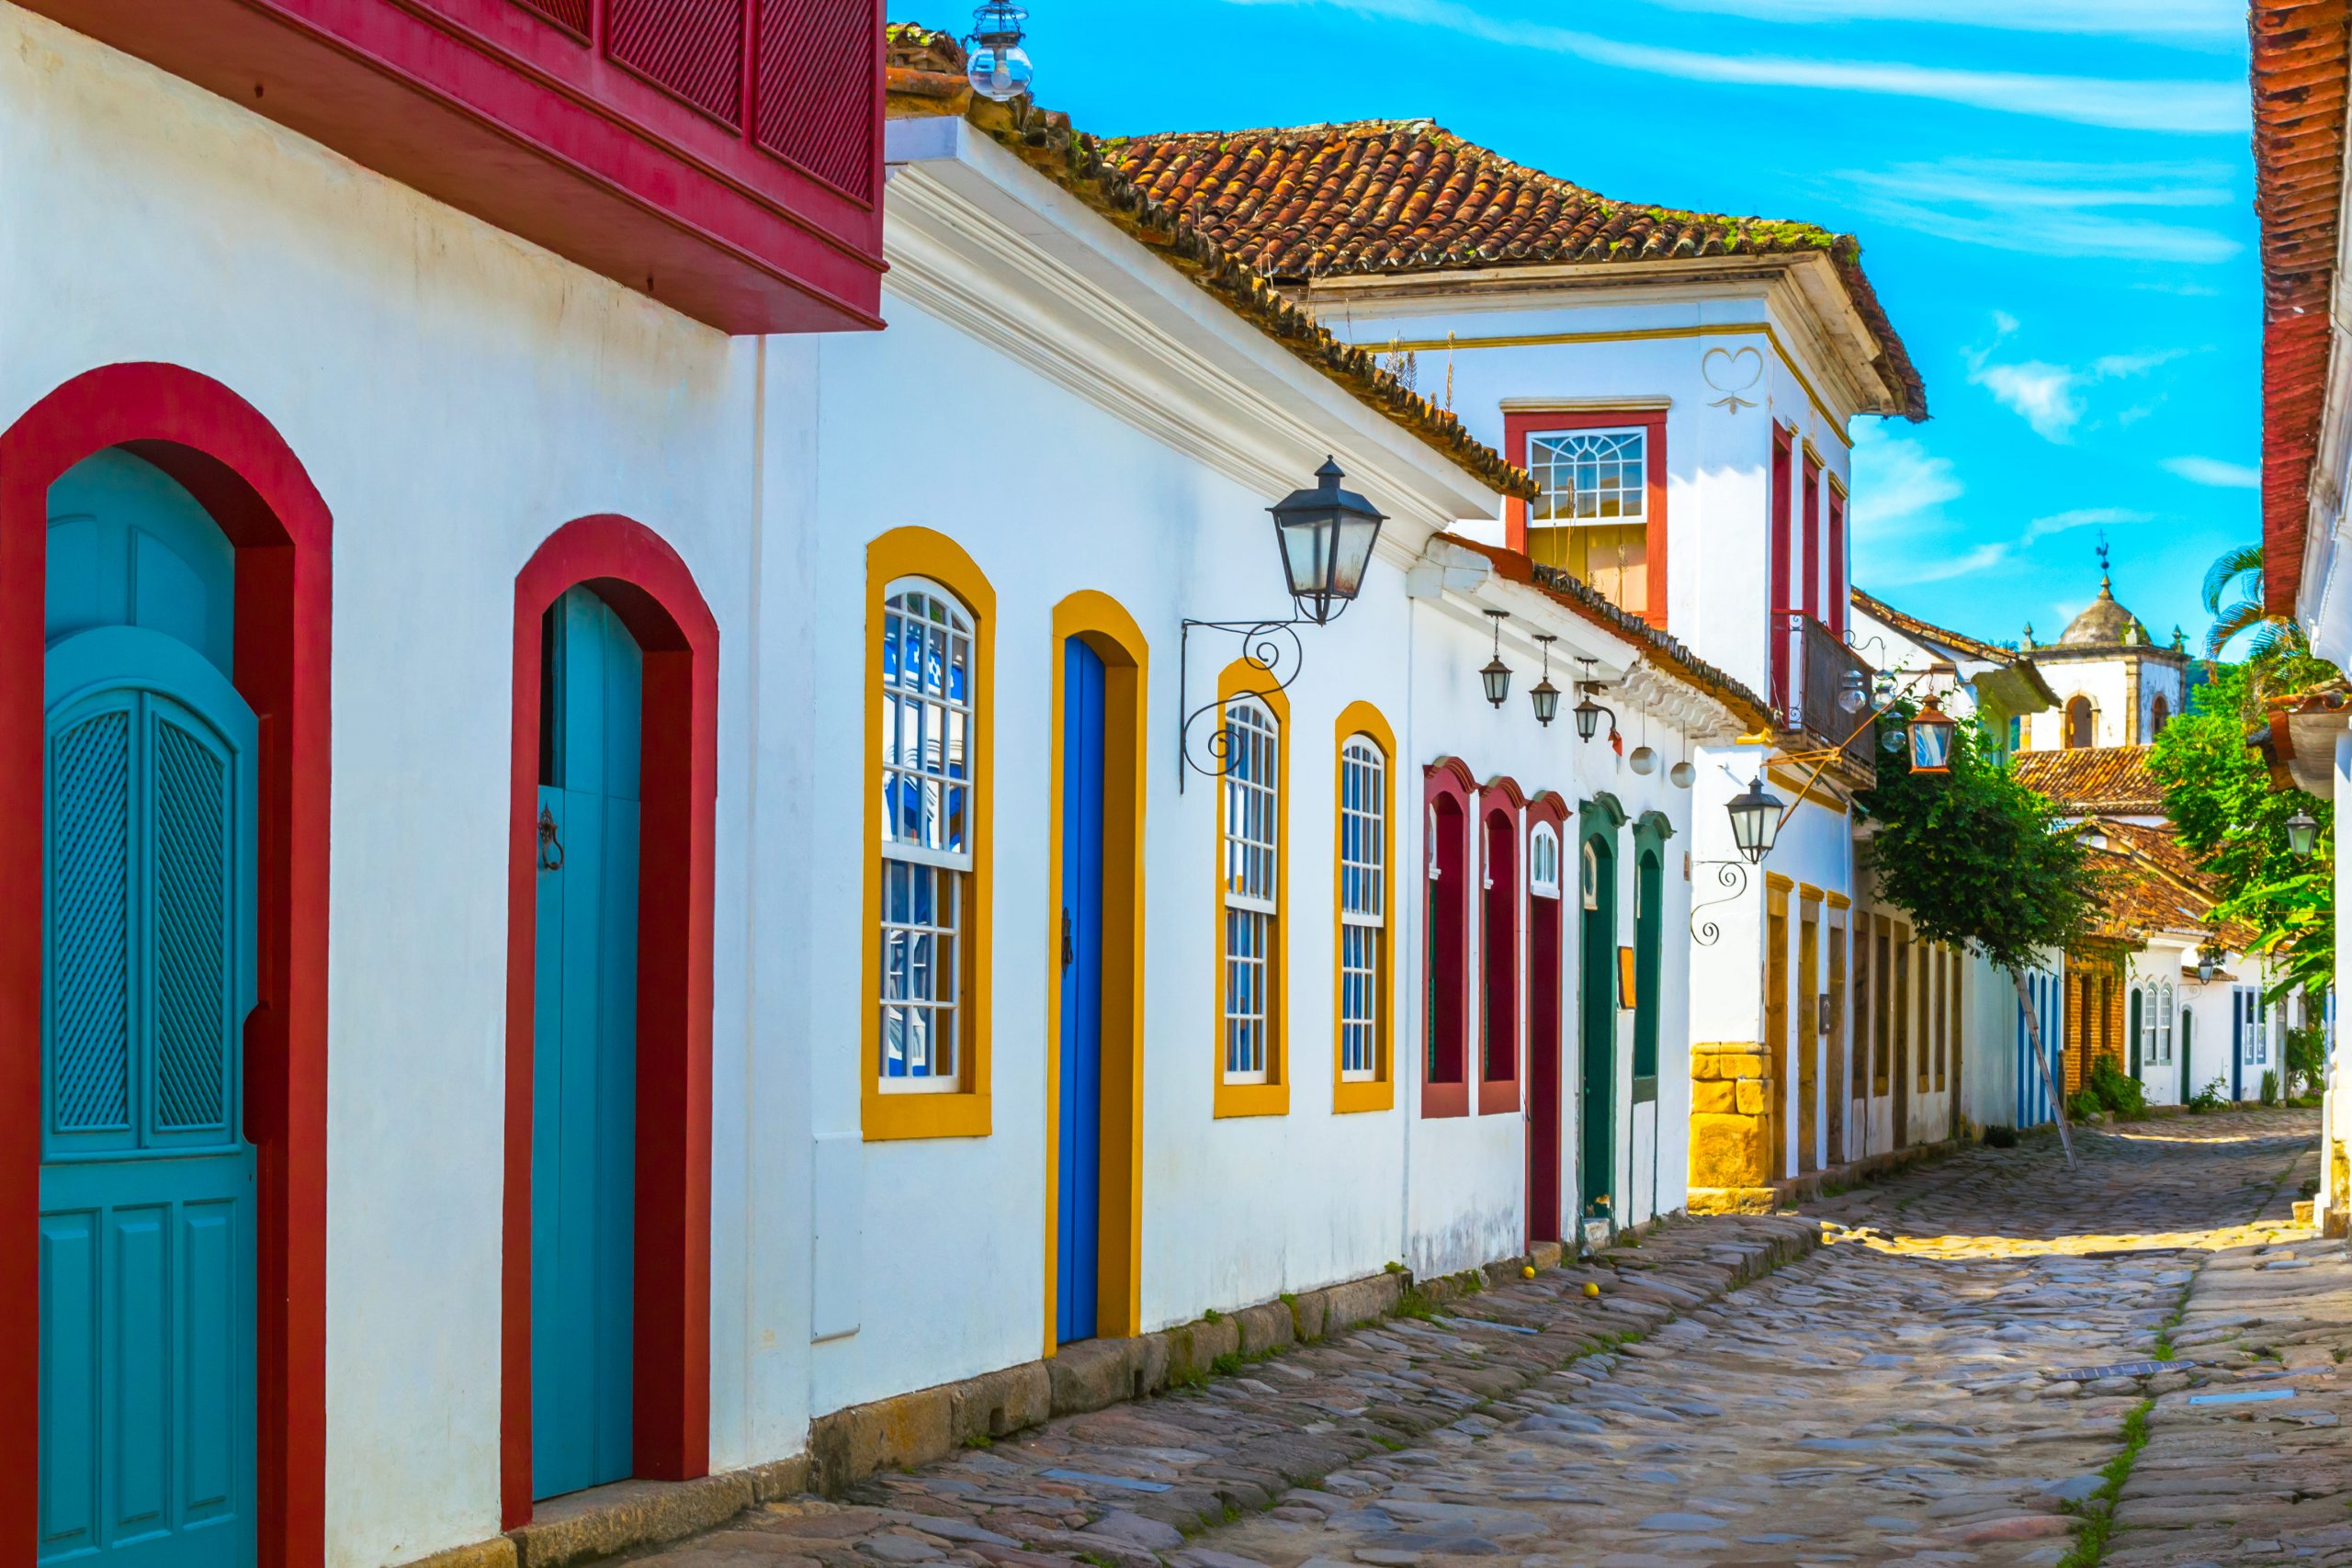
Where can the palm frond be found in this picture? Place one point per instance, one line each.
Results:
(2228, 622)
(2239, 561)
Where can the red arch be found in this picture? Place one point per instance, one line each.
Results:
(653, 593)
(237, 465)
(1506, 786)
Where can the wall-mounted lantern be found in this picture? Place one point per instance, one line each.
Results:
(2302, 834)
(1931, 733)
(1326, 536)
(1754, 821)
(1496, 676)
(2206, 967)
(1588, 711)
(999, 68)
(1546, 696)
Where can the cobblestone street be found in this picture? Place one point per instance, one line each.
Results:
(1930, 1385)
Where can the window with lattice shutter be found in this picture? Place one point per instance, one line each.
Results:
(194, 929)
(695, 47)
(89, 806)
(815, 92)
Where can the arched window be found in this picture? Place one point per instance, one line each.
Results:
(1251, 833)
(2159, 714)
(1445, 989)
(1498, 960)
(2080, 727)
(1363, 908)
(929, 691)
(1544, 862)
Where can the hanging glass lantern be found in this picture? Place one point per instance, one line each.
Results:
(1546, 696)
(1853, 692)
(1683, 774)
(1644, 761)
(1496, 676)
(1326, 534)
(1932, 735)
(999, 68)
(1754, 821)
(2302, 834)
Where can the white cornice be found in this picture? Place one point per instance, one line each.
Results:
(979, 240)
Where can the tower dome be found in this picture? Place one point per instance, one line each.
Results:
(2105, 625)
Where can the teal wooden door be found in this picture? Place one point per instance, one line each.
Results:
(146, 1238)
(583, 1109)
(1597, 1128)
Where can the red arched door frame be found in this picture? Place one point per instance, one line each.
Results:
(243, 472)
(650, 588)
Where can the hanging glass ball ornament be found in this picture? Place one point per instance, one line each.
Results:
(1644, 761)
(1683, 774)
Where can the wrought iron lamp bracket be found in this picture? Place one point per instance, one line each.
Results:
(1269, 646)
(1732, 874)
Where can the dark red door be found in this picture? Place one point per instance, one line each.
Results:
(1544, 1069)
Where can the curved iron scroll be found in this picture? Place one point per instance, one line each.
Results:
(1270, 648)
(1731, 875)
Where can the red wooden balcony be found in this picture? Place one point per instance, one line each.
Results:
(724, 156)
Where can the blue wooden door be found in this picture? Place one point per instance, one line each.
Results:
(583, 1087)
(146, 1239)
(1081, 1028)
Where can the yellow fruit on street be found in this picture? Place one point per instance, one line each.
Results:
(1591, 1288)
(1527, 1272)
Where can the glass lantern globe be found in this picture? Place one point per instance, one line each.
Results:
(1644, 761)
(1853, 692)
(1682, 775)
(998, 67)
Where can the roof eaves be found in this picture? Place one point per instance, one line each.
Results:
(1073, 161)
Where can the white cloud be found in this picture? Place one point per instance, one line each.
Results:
(1942, 569)
(2179, 107)
(2214, 472)
(2050, 397)
(2083, 517)
(2195, 22)
(2045, 396)
(1896, 480)
(2051, 208)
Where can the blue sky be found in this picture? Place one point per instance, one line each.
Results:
(2053, 198)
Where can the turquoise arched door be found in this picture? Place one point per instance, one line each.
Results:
(583, 1087)
(146, 1241)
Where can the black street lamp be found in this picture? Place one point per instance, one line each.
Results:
(1496, 676)
(2302, 834)
(1588, 711)
(1546, 696)
(1326, 534)
(2205, 965)
(1754, 821)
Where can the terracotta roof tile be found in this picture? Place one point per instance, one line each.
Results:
(1384, 197)
(2093, 779)
(2301, 58)
(2147, 883)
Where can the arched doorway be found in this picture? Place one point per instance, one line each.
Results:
(147, 1225)
(616, 702)
(2081, 725)
(1094, 1164)
(182, 671)
(1596, 1079)
(1546, 957)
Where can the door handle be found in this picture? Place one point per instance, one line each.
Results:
(1069, 940)
(550, 845)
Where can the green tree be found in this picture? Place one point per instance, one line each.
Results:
(2218, 793)
(1982, 863)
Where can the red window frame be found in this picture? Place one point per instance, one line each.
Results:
(1813, 537)
(1840, 598)
(1449, 798)
(1777, 568)
(1502, 850)
(1520, 426)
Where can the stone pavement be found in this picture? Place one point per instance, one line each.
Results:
(1928, 1388)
